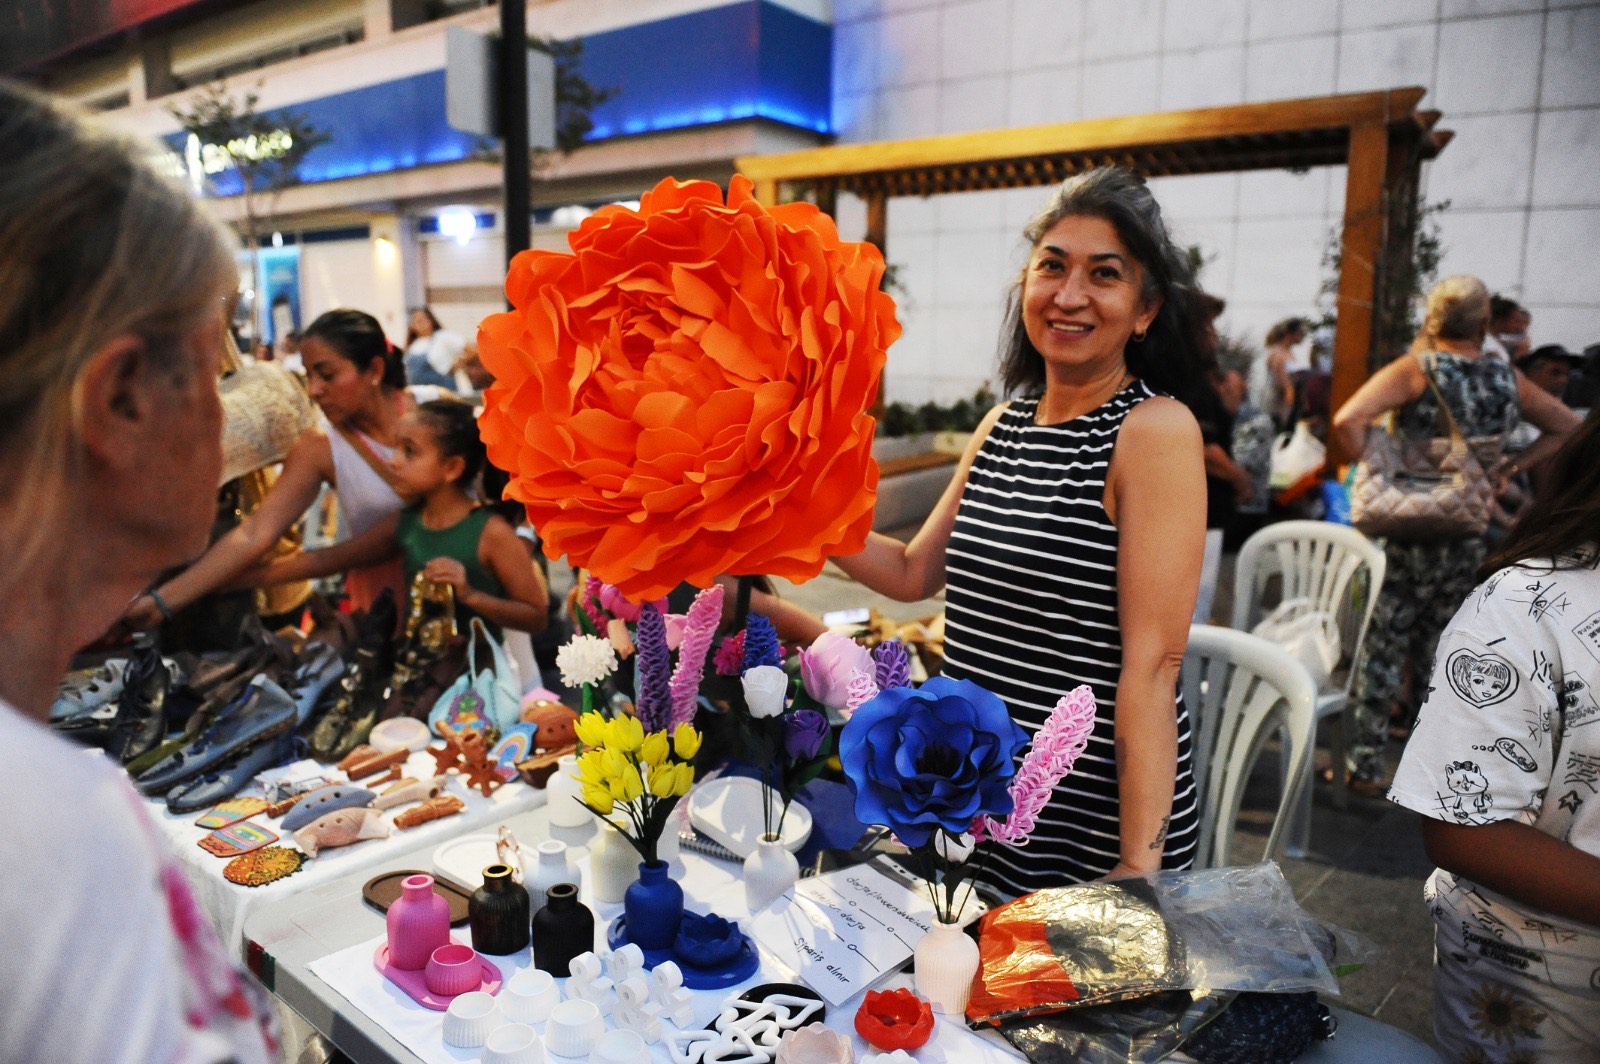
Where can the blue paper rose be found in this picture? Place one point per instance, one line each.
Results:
(930, 757)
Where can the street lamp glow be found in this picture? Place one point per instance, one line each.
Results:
(458, 225)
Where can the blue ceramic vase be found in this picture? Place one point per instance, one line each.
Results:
(654, 907)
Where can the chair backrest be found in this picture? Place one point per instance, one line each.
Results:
(1319, 561)
(1240, 689)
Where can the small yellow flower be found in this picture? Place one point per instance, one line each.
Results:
(626, 787)
(685, 779)
(592, 729)
(599, 798)
(592, 768)
(655, 748)
(624, 734)
(663, 780)
(614, 765)
(686, 742)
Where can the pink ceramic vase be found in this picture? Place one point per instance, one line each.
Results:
(419, 923)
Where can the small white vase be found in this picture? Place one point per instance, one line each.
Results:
(551, 866)
(946, 960)
(768, 872)
(566, 808)
(613, 866)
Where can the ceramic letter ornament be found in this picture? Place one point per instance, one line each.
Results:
(946, 961)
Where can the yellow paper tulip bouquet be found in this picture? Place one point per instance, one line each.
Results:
(644, 775)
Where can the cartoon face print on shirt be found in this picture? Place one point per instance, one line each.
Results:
(1469, 795)
(1481, 679)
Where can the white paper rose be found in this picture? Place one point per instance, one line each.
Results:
(764, 688)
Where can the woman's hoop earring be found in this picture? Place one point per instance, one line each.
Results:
(1138, 336)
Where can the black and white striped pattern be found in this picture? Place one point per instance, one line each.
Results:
(1031, 613)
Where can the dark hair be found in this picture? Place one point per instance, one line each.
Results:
(1175, 354)
(358, 338)
(455, 432)
(1502, 307)
(411, 333)
(1286, 328)
(1547, 353)
(1564, 514)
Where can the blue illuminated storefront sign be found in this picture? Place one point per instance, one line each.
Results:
(745, 60)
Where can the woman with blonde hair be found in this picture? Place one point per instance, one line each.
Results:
(1427, 580)
(1276, 371)
(112, 308)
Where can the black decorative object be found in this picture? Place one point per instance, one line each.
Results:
(498, 913)
(561, 930)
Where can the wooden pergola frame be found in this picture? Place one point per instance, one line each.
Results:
(1380, 137)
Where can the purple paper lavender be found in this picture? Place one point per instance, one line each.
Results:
(892, 665)
(761, 643)
(654, 666)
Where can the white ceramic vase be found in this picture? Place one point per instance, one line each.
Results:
(769, 871)
(566, 809)
(551, 866)
(946, 960)
(613, 866)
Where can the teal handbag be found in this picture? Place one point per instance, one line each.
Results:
(481, 701)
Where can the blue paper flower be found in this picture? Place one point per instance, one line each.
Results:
(932, 757)
(761, 642)
(803, 732)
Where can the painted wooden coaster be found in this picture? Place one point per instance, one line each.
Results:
(266, 865)
(236, 839)
(231, 812)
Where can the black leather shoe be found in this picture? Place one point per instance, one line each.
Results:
(348, 715)
(142, 708)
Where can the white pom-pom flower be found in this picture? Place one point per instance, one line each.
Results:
(587, 659)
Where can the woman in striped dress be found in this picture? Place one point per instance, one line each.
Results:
(1070, 539)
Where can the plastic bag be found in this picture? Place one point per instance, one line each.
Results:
(1144, 1029)
(1296, 456)
(1308, 633)
(1114, 940)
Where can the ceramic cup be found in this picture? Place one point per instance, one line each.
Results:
(529, 996)
(516, 1043)
(619, 1047)
(469, 1019)
(453, 969)
(573, 1028)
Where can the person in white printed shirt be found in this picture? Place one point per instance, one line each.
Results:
(1505, 765)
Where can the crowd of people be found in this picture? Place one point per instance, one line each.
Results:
(1077, 541)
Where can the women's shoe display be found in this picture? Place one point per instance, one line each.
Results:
(562, 929)
(499, 913)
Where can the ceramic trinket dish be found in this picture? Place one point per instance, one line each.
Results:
(816, 1045)
(894, 1019)
(706, 941)
(231, 812)
(341, 828)
(401, 733)
(236, 839)
(327, 800)
(266, 865)
(469, 1019)
(415, 983)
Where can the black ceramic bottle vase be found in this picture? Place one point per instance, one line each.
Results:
(498, 913)
(562, 930)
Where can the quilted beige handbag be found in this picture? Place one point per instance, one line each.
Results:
(1424, 489)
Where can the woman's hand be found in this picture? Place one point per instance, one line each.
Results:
(1125, 869)
(141, 615)
(448, 571)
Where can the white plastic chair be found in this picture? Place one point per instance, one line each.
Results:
(1318, 561)
(1240, 689)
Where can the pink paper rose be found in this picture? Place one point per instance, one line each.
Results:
(826, 666)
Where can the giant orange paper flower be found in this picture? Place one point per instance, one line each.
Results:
(685, 394)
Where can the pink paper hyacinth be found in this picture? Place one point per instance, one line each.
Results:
(860, 690)
(589, 601)
(699, 628)
(1055, 748)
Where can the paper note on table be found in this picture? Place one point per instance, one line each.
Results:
(846, 930)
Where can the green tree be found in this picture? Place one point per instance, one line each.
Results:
(266, 149)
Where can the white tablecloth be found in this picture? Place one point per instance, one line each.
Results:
(228, 904)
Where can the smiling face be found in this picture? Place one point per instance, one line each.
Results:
(1082, 298)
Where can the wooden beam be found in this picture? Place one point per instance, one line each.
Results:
(1360, 248)
(766, 190)
(1095, 135)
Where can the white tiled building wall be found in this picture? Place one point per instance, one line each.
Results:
(1518, 81)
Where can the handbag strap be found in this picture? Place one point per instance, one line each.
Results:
(1438, 395)
(359, 444)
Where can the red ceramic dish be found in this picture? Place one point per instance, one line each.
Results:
(894, 1019)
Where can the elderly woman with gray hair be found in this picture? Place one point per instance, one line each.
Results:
(112, 308)
(1428, 580)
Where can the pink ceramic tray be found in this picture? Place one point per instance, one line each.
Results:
(417, 989)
